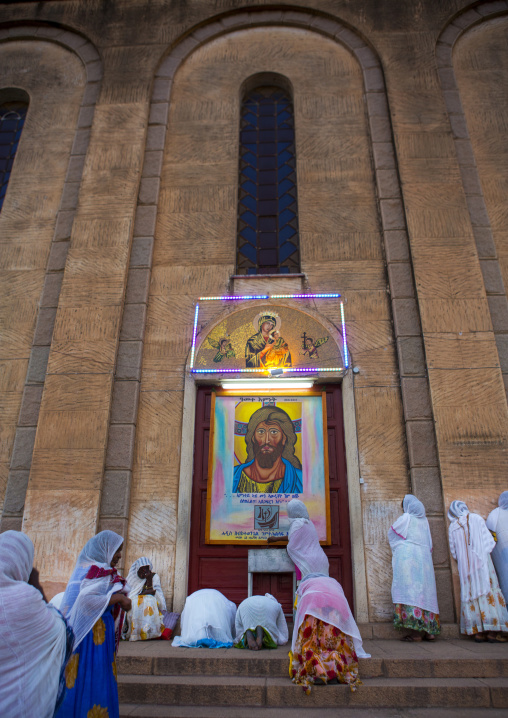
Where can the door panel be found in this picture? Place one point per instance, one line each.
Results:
(225, 567)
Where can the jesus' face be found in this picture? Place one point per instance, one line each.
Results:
(268, 441)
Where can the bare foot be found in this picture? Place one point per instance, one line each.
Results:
(251, 641)
(259, 637)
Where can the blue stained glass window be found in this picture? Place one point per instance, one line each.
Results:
(12, 119)
(267, 206)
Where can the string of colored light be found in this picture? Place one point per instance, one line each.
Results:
(304, 296)
(230, 297)
(344, 339)
(194, 334)
(270, 296)
(264, 371)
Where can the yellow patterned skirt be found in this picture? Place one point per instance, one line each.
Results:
(485, 613)
(145, 619)
(322, 654)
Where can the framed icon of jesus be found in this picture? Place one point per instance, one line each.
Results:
(264, 451)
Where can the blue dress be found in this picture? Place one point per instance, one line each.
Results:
(90, 674)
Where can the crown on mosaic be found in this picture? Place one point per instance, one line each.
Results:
(268, 316)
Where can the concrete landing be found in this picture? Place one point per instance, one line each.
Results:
(157, 680)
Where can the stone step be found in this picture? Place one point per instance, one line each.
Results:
(390, 659)
(387, 632)
(160, 711)
(382, 692)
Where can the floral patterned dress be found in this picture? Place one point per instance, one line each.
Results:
(487, 612)
(323, 653)
(405, 616)
(90, 675)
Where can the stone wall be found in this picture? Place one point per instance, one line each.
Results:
(400, 154)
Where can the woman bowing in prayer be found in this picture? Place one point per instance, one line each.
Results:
(35, 642)
(414, 583)
(483, 609)
(145, 619)
(94, 603)
(208, 621)
(326, 640)
(260, 623)
(497, 523)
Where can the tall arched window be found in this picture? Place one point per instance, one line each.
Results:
(12, 119)
(267, 238)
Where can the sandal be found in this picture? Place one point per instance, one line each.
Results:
(429, 637)
(411, 639)
(480, 638)
(498, 639)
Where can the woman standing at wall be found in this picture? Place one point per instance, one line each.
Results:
(94, 603)
(483, 609)
(414, 584)
(497, 523)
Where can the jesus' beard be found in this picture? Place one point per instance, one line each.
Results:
(267, 460)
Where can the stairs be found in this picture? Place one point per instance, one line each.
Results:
(450, 678)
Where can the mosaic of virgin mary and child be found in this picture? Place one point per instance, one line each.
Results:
(267, 348)
(272, 466)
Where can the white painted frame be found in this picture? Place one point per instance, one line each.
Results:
(353, 478)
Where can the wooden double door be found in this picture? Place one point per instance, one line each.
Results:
(225, 567)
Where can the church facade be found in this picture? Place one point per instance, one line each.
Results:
(194, 192)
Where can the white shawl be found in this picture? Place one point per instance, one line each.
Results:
(263, 611)
(323, 598)
(207, 617)
(497, 522)
(86, 599)
(136, 584)
(32, 636)
(303, 546)
(470, 544)
(414, 582)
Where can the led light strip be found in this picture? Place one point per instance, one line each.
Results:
(194, 333)
(234, 296)
(266, 371)
(270, 296)
(344, 340)
(230, 297)
(304, 296)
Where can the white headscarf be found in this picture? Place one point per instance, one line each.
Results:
(297, 514)
(32, 636)
(86, 599)
(303, 547)
(503, 500)
(136, 584)
(457, 509)
(412, 507)
(470, 544)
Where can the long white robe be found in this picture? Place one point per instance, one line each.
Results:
(497, 521)
(264, 611)
(470, 544)
(414, 582)
(33, 636)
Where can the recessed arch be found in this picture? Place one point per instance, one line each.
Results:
(90, 65)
